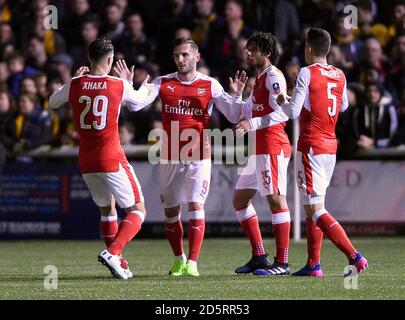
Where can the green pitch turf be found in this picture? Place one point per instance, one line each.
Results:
(82, 277)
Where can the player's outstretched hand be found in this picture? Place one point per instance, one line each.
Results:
(242, 127)
(123, 72)
(147, 84)
(237, 84)
(81, 71)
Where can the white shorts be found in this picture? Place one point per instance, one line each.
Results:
(266, 173)
(180, 183)
(123, 185)
(314, 173)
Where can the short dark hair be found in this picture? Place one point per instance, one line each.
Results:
(179, 41)
(99, 48)
(266, 43)
(319, 40)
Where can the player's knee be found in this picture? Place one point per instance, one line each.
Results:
(195, 206)
(311, 209)
(140, 206)
(172, 212)
(107, 211)
(239, 201)
(277, 202)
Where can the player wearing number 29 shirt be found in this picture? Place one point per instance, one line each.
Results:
(187, 98)
(95, 99)
(318, 98)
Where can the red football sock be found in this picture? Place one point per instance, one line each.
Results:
(252, 230)
(314, 242)
(174, 233)
(196, 229)
(250, 225)
(281, 230)
(109, 229)
(334, 231)
(128, 228)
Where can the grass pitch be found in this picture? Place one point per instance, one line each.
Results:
(82, 277)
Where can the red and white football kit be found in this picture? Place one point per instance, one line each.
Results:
(320, 94)
(266, 169)
(185, 165)
(96, 103)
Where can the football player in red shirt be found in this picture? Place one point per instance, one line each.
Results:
(95, 98)
(318, 98)
(187, 98)
(266, 170)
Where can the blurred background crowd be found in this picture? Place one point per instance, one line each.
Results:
(34, 61)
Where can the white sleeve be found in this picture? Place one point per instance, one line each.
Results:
(345, 100)
(229, 105)
(247, 107)
(139, 99)
(293, 108)
(61, 96)
(276, 85)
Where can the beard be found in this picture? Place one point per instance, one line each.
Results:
(184, 70)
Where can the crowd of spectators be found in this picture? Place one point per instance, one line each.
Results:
(35, 61)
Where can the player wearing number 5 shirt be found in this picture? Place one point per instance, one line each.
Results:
(96, 98)
(318, 98)
(187, 98)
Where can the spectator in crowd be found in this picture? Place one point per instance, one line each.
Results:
(174, 15)
(280, 17)
(367, 27)
(337, 58)
(18, 70)
(89, 31)
(182, 33)
(34, 22)
(37, 57)
(29, 129)
(127, 133)
(5, 11)
(345, 134)
(113, 27)
(205, 22)
(28, 86)
(345, 39)
(224, 42)
(238, 61)
(4, 74)
(7, 109)
(40, 80)
(398, 13)
(399, 138)
(397, 73)
(79, 10)
(134, 44)
(61, 66)
(6, 37)
(375, 122)
(373, 56)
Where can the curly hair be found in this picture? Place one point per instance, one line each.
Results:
(266, 43)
